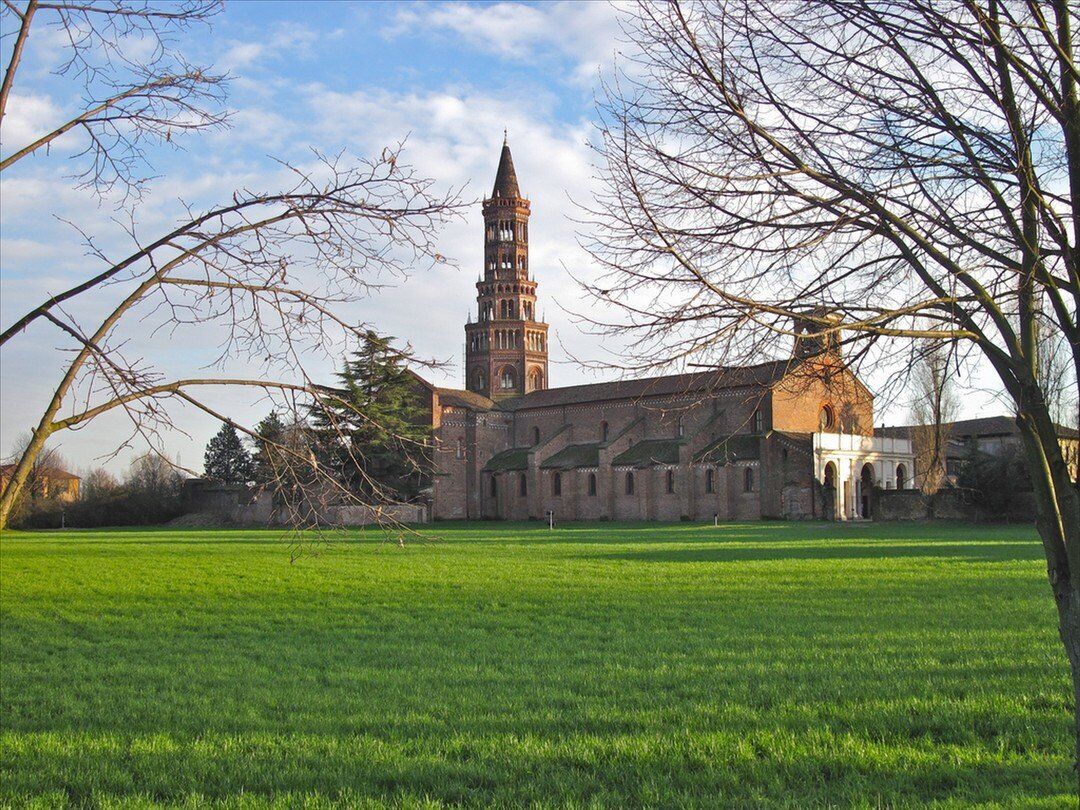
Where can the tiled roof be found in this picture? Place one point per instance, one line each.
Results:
(574, 455)
(516, 458)
(982, 426)
(800, 441)
(743, 447)
(701, 382)
(647, 452)
(464, 399)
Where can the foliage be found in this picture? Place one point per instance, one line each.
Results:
(269, 432)
(995, 481)
(98, 484)
(375, 429)
(934, 407)
(150, 494)
(226, 459)
(758, 665)
(273, 270)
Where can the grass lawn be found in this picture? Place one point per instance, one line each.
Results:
(601, 664)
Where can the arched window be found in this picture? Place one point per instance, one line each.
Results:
(592, 483)
(556, 484)
(478, 379)
(710, 482)
(670, 481)
(523, 485)
(901, 476)
(536, 435)
(759, 422)
(507, 379)
(748, 480)
(603, 431)
(680, 429)
(536, 379)
(629, 483)
(827, 418)
(461, 448)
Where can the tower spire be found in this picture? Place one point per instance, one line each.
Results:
(506, 183)
(506, 347)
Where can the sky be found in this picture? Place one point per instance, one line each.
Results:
(448, 77)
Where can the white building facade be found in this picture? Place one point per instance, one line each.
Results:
(851, 466)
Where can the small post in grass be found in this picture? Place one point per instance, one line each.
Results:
(715, 519)
(551, 519)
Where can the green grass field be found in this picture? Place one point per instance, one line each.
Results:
(604, 664)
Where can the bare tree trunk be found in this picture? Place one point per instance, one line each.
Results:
(1069, 629)
(26, 18)
(20, 474)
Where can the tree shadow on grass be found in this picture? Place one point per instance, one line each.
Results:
(841, 550)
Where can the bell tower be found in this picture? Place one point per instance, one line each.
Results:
(506, 349)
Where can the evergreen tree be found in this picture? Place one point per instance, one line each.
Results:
(375, 428)
(270, 432)
(226, 459)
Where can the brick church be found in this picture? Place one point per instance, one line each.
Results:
(783, 439)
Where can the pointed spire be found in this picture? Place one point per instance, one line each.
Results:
(506, 184)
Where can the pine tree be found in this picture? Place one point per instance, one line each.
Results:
(226, 459)
(376, 430)
(270, 432)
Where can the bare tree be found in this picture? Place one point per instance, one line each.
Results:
(933, 409)
(129, 102)
(913, 167)
(1057, 378)
(47, 463)
(98, 484)
(273, 271)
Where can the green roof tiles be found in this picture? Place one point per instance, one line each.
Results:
(743, 447)
(649, 451)
(516, 458)
(574, 455)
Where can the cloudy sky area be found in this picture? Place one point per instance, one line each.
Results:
(449, 76)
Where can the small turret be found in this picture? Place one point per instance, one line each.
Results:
(818, 334)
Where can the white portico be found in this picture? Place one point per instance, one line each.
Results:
(853, 465)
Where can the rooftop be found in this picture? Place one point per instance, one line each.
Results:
(464, 399)
(648, 452)
(742, 447)
(506, 183)
(701, 382)
(982, 426)
(573, 456)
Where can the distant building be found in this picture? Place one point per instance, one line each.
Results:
(791, 438)
(48, 482)
(991, 435)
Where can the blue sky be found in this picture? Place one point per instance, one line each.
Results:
(330, 75)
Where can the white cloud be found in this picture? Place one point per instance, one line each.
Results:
(584, 31)
(455, 137)
(282, 41)
(28, 117)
